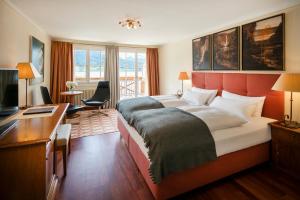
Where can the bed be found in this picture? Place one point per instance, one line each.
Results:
(237, 148)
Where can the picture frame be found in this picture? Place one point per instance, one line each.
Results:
(201, 48)
(37, 56)
(263, 45)
(226, 49)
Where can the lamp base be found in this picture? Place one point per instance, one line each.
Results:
(179, 93)
(24, 107)
(291, 124)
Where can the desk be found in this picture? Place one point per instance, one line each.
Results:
(27, 158)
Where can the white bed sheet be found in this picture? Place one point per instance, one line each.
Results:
(255, 132)
(165, 97)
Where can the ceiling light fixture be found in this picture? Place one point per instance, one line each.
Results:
(130, 23)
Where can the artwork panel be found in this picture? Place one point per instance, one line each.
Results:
(226, 50)
(202, 53)
(263, 44)
(37, 59)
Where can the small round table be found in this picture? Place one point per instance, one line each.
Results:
(71, 94)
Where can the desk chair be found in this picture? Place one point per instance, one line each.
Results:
(72, 109)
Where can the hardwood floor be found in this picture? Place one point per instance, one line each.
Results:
(100, 167)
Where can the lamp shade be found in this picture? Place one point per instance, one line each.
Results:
(183, 76)
(27, 71)
(289, 82)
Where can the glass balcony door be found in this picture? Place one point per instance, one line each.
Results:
(132, 72)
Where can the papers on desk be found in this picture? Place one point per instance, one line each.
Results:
(36, 112)
(42, 110)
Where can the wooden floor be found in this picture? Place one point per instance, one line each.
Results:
(100, 168)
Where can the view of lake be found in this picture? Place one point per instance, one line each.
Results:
(97, 62)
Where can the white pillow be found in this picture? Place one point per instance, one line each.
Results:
(195, 98)
(242, 109)
(259, 101)
(212, 93)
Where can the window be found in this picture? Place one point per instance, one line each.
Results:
(89, 62)
(133, 76)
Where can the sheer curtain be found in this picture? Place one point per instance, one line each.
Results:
(61, 69)
(153, 71)
(111, 73)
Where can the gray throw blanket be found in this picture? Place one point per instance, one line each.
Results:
(127, 106)
(177, 140)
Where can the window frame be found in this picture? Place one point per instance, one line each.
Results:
(87, 48)
(136, 51)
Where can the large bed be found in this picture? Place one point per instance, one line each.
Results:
(237, 148)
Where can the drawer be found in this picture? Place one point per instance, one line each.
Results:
(282, 136)
(49, 164)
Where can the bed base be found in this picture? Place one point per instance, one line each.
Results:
(190, 179)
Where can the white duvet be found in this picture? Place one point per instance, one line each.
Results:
(255, 132)
(214, 118)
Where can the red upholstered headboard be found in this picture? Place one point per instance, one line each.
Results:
(247, 85)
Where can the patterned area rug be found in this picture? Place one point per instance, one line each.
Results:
(88, 123)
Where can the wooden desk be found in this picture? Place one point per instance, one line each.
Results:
(27, 158)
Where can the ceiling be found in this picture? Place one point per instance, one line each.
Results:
(163, 21)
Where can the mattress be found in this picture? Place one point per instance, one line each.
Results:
(229, 140)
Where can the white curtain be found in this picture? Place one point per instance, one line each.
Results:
(111, 73)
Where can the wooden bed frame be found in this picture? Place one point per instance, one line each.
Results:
(180, 182)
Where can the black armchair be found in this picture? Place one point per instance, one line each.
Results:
(100, 98)
(72, 109)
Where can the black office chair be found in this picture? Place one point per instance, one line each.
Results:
(100, 98)
(72, 109)
(46, 96)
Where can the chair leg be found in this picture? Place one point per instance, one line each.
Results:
(69, 146)
(102, 113)
(98, 112)
(64, 151)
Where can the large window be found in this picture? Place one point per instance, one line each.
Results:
(133, 77)
(89, 62)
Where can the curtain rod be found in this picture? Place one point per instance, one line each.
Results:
(105, 44)
(112, 44)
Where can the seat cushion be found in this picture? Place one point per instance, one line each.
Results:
(63, 134)
(73, 109)
(93, 103)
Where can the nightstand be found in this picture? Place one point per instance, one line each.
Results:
(286, 149)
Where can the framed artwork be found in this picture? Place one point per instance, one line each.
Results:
(37, 58)
(263, 44)
(202, 53)
(226, 50)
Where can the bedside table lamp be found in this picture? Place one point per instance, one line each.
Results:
(289, 82)
(27, 71)
(183, 76)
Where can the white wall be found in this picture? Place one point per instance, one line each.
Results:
(177, 56)
(173, 58)
(15, 33)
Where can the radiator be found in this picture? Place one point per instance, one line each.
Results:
(87, 93)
